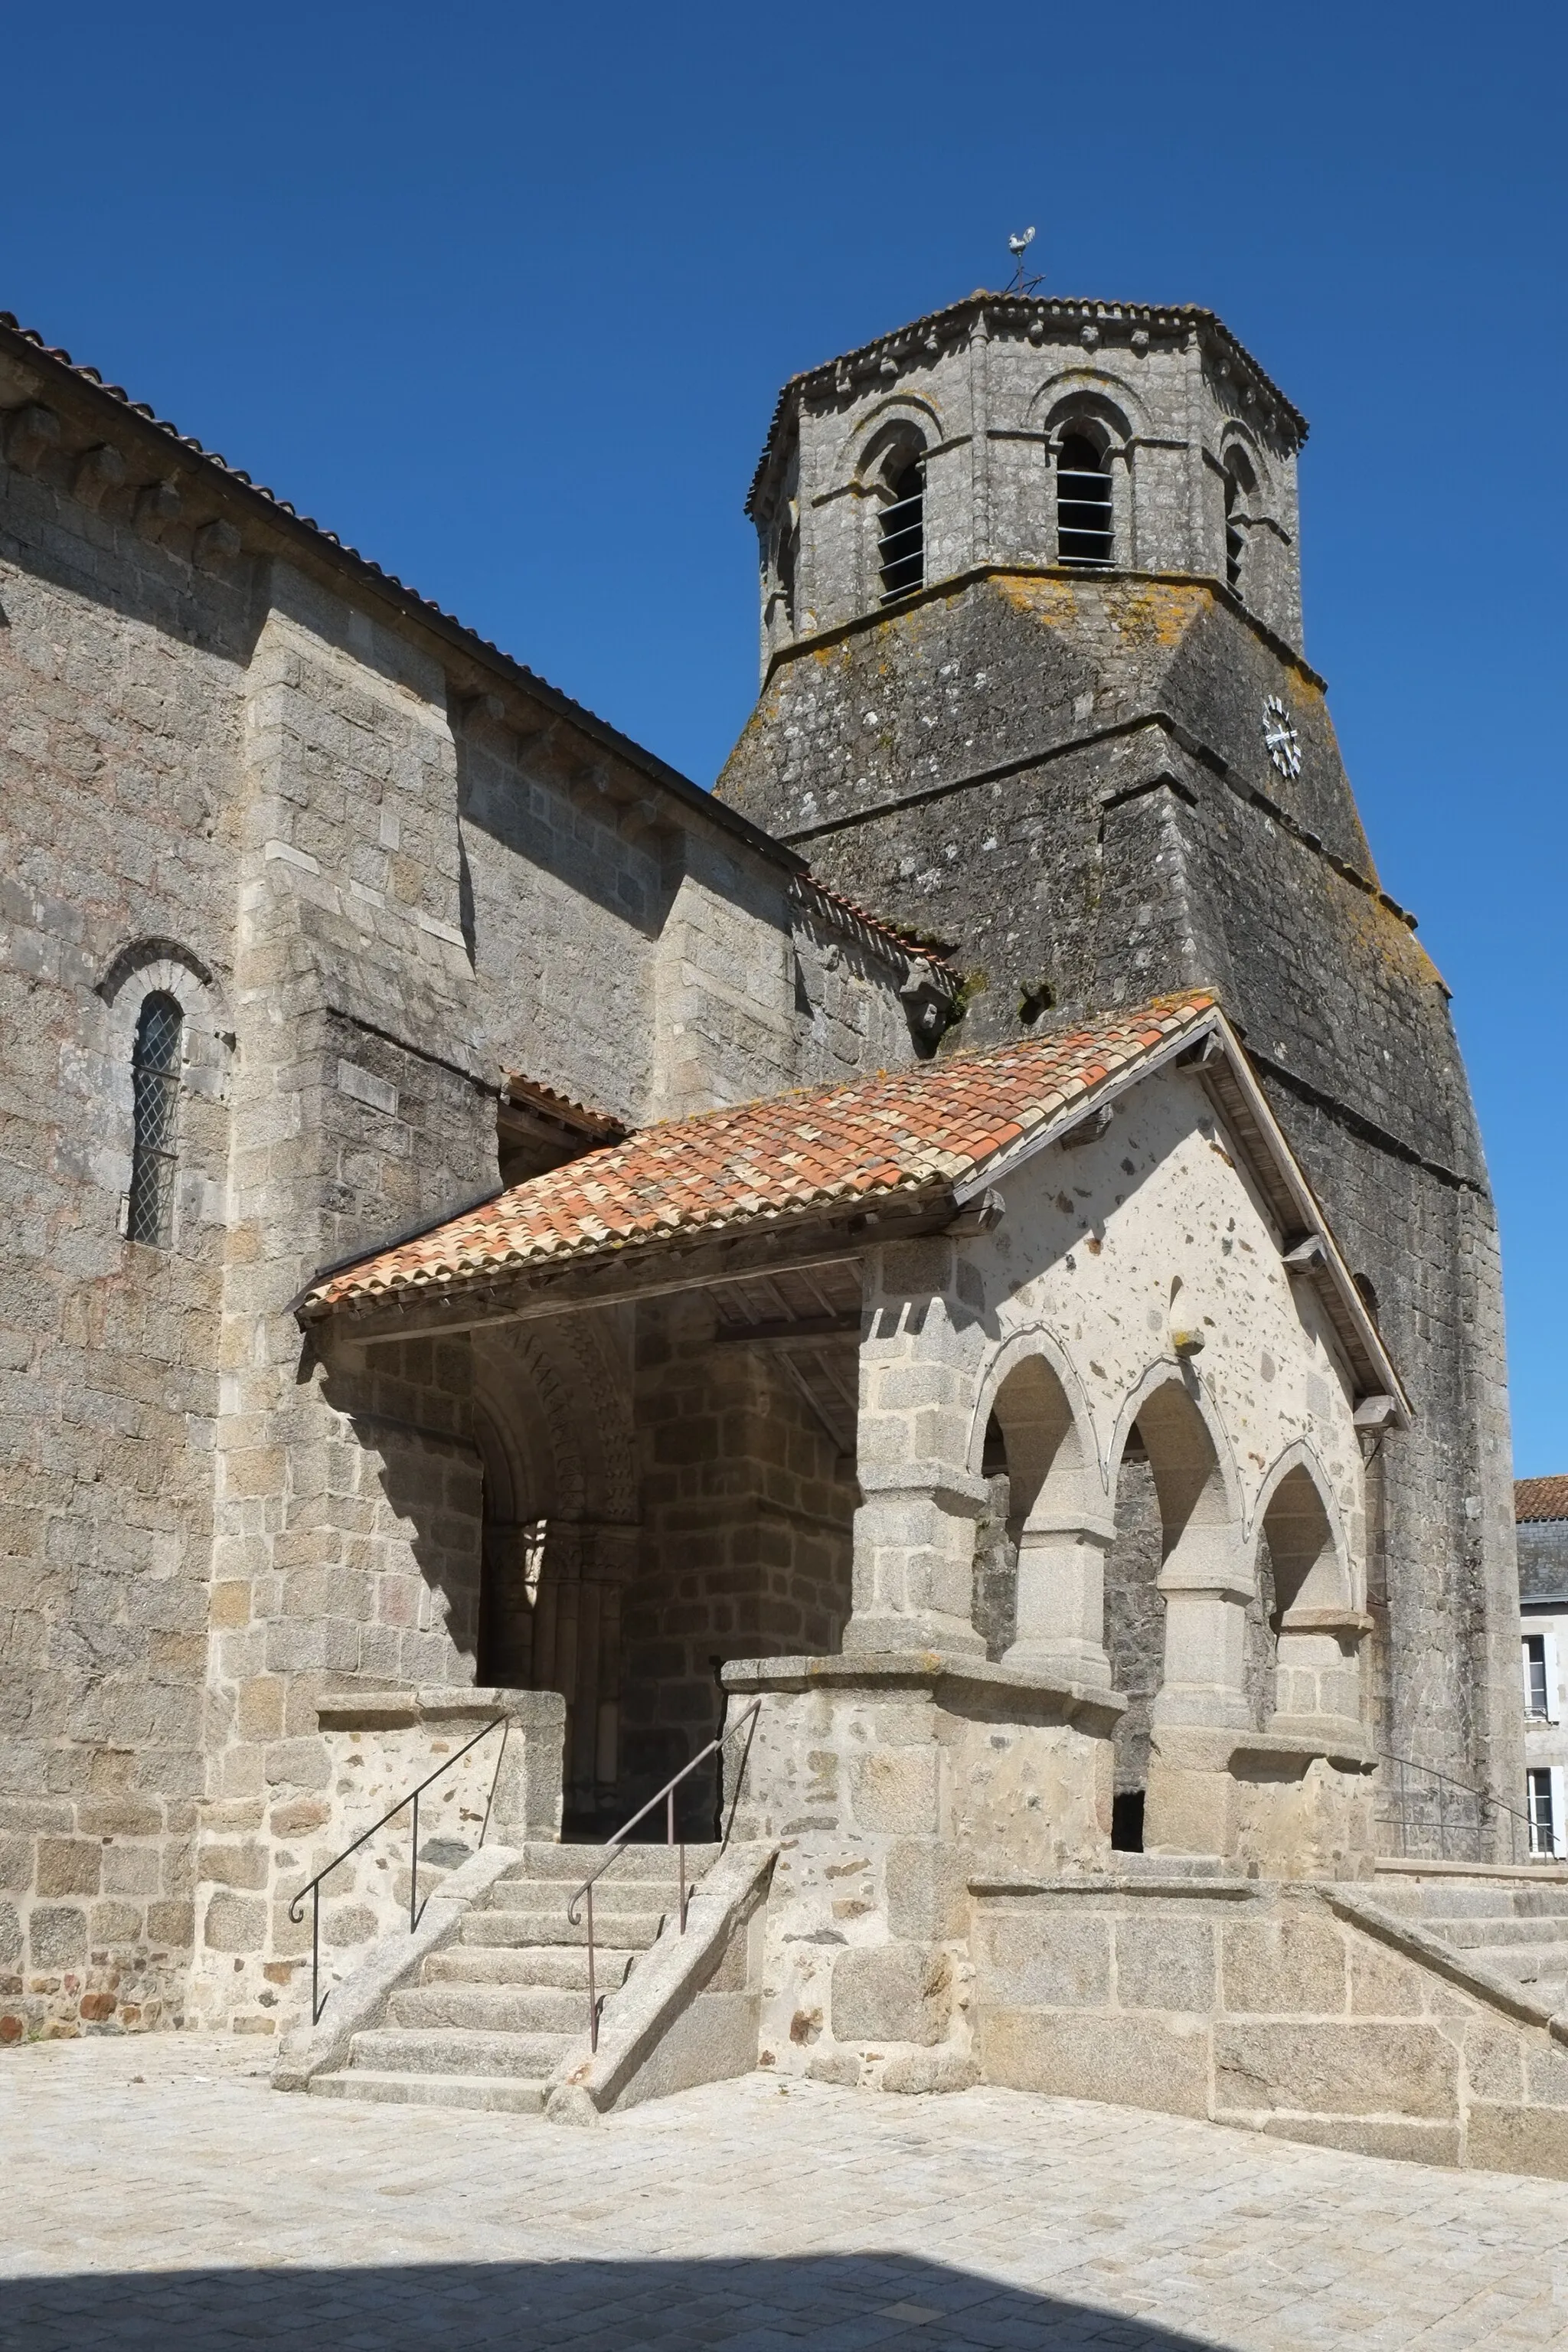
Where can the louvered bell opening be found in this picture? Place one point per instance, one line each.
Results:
(1234, 539)
(900, 538)
(1085, 531)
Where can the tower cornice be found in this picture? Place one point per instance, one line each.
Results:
(1029, 317)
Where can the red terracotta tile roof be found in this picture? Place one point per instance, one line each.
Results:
(1540, 1498)
(530, 1094)
(811, 892)
(903, 1131)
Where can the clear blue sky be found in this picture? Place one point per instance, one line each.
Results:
(503, 295)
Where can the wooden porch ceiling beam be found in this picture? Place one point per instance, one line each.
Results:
(801, 1331)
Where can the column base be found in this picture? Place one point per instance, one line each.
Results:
(1084, 1662)
(921, 1631)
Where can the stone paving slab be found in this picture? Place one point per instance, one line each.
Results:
(157, 2191)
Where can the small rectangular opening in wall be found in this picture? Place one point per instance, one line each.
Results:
(1127, 1822)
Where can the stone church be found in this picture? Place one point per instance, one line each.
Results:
(941, 1297)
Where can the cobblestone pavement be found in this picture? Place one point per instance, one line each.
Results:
(157, 2191)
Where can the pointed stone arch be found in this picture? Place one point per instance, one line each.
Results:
(1317, 1621)
(1057, 1525)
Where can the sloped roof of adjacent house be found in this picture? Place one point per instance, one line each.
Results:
(925, 1140)
(1535, 1499)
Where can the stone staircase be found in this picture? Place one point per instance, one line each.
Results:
(1517, 1929)
(495, 2010)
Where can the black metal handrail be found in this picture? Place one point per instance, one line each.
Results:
(314, 1886)
(1482, 1799)
(615, 1845)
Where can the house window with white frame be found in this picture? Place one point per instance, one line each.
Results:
(1538, 1659)
(1537, 1692)
(1543, 1799)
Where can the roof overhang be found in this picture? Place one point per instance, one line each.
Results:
(821, 1233)
(654, 1269)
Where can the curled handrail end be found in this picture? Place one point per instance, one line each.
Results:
(574, 1916)
(294, 1911)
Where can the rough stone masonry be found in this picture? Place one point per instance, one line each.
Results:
(1099, 775)
(421, 925)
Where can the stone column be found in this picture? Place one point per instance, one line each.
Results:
(913, 1581)
(914, 1560)
(1061, 1598)
(1205, 1638)
(1201, 1705)
(1318, 1680)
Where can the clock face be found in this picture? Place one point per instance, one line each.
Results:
(1280, 740)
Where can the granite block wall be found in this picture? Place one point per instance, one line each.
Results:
(381, 867)
(1068, 777)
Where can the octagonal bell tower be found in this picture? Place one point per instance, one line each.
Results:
(1033, 684)
(1040, 433)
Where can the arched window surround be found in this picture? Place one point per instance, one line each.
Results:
(1080, 416)
(155, 1072)
(141, 971)
(891, 448)
(1248, 526)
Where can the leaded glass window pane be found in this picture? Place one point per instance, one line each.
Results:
(155, 1097)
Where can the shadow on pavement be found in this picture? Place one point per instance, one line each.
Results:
(835, 2303)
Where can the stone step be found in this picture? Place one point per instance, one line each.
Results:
(502, 2093)
(458, 2050)
(1524, 1963)
(632, 1862)
(527, 1964)
(1438, 1899)
(1175, 1866)
(1550, 1930)
(611, 1901)
(629, 1931)
(491, 2009)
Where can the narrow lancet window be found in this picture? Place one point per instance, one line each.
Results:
(155, 1086)
(900, 538)
(1084, 528)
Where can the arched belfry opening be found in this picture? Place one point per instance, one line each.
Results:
(900, 523)
(1086, 528)
(1240, 488)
